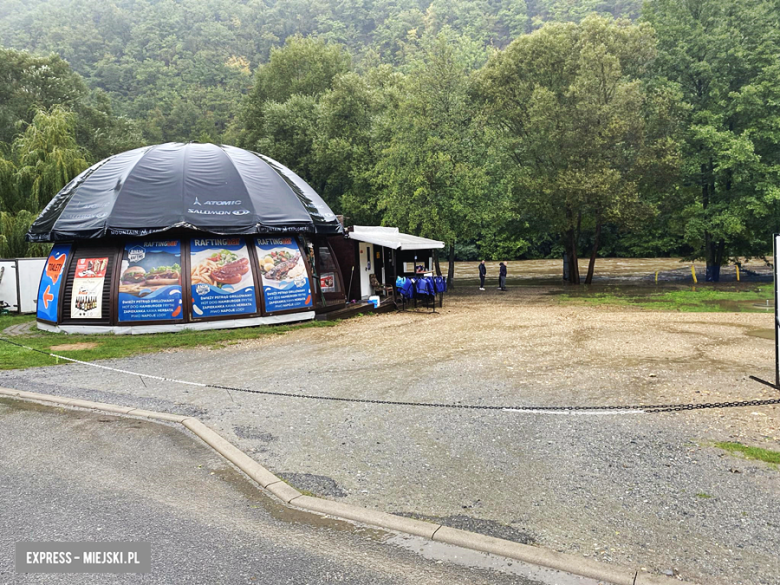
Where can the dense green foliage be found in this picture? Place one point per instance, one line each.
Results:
(51, 127)
(581, 133)
(181, 67)
(507, 128)
(723, 58)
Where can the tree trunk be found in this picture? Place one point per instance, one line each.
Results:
(712, 270)
(592, 263)
(436, 262)
(451, 268)
(571, 253)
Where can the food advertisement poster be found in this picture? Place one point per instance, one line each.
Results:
(284, 276)
(150, 281)
(87, 299)
(221, 278)
(51, 281)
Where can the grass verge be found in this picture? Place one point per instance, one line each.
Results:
(695, 300)
(766, 455)
(118, 346)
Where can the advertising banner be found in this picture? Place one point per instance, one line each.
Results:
(284, 276)
(150, 282)
(221, 278)
(51, 281)
(328, 282)
(87, 299)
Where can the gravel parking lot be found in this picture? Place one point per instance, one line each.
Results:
(632, 489)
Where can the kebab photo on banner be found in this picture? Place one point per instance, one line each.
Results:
(221, 279)
(283, 271)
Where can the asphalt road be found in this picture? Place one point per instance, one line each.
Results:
(81, 476)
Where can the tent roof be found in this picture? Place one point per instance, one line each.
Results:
(390, 237)
(212, 188)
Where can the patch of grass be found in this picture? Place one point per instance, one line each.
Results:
(703, 496)
(701, 300)
(118, 346)
(766, 455)
(9, 320)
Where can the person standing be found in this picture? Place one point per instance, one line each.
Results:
(482, 274)
(502, 276)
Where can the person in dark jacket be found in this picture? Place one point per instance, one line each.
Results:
(482, 274)
(502, 276)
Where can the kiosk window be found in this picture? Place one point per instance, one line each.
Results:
(328, 280)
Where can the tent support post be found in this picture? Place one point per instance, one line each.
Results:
(395, 274)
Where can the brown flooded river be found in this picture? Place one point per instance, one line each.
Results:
(614, 269)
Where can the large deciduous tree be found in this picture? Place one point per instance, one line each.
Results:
(724, 58)
(575, 119)
(28, 83)
(46, 157)
(304, 67)
(430, 176)
(356, 121)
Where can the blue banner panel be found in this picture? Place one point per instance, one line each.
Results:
(51, 280)
(150, 283)
(283, 270)
(221, 278)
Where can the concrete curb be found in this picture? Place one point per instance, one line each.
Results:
(290, 496)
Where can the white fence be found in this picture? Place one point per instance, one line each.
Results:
(19, 278)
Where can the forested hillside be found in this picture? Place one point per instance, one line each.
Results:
(180, 67)
(508, 129)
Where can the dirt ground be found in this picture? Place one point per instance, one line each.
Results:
(647, 490)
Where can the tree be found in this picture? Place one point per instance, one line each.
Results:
(430, 175)
(574, 115)
(723, 57)
(356, 122)
(47, 158)
(28, 83)
(13, 228)
(304, 66)
(288, 133)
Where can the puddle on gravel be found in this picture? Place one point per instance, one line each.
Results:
(443, 552)
(762, 333)
(478, 525)
(318, 485)
(258, 499)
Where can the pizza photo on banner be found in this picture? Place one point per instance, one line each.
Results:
(87, 299)
(150, 281)
(221, 278)
(51, 282)
(284, 276)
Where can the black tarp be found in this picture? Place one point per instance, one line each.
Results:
(218, 189)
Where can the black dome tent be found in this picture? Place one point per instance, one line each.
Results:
(216, 189)
(182, 236)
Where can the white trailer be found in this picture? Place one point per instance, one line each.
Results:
(19, 278)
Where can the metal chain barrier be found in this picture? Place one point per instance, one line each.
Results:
(618, 409)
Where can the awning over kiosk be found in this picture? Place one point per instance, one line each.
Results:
(390, 237)
(205, 187)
